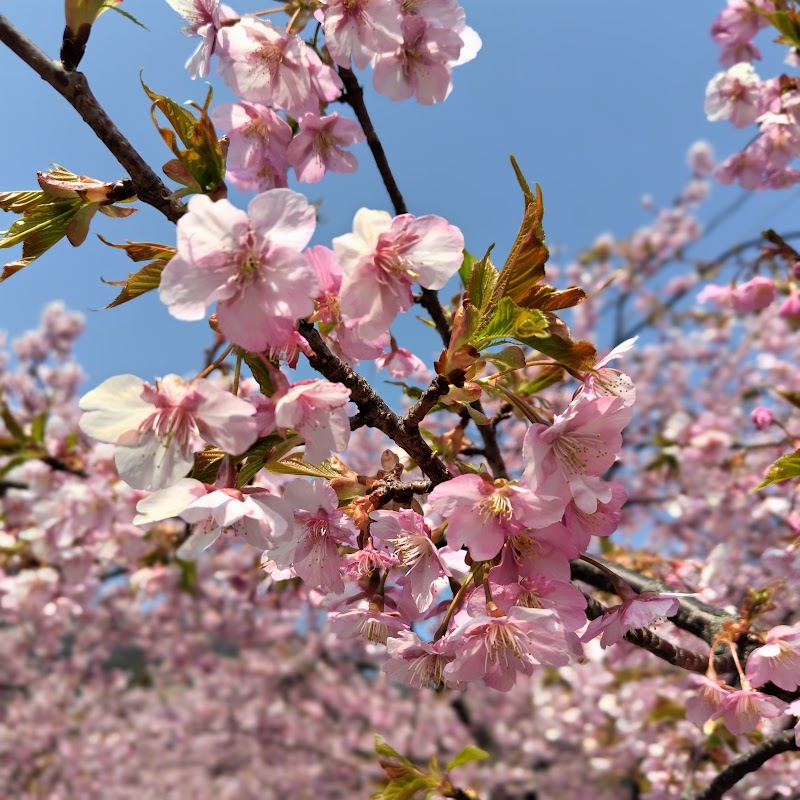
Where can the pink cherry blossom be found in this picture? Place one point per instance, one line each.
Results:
(777, 660)
(636, 611)
(604, 521)
(318, 147)
(259, 139)
(311, 545)
(250, 513)
(360, 29)
(418, 664)
(762, 417)
(702, 705)
(734, 95)
(315, 409)
(754, 295)
(265, 64)
(344, 336)
(420, 67)
(582, 442)
(498, 648)
(250, 263)
(604, 381)
(482, 514)
(790, 307)
(382, 257)
(157, 428)
(368, 622)
(400, 362)
(204, 17)
(742, 709)
(408, 534)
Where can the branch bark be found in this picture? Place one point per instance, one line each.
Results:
(750, 761)
(74, 88)
(373, 410)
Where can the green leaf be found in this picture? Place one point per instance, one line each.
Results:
(38, 425)
(138, 283)
(188, 570)
(511, 357)
(790, 397)
(509, 321)
(383, 748)
(260, 371)
(256, 456)
(524, 267)
(477, 417)
(296, 466)
(202, 154)
(40, 227)
(466, 267)
(12, 426)
(414, 392)
(469, 753)
(787, 22)
(206, 464)
(143, 251)
(125, 14)
(546, 377)
(785, 467)
(482, 283)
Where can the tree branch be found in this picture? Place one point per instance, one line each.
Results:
(664, 649)
(694, 616)
(354, 97)
(373, 410)
(74, 88)
(748, 762)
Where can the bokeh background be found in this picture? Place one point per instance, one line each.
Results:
(598, 102)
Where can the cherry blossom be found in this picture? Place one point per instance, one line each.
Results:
(360, 29)
(250, 263)
(420, 68)
(259, 139)
(315, 409)
(157, 428)
(734, 95)
(581, 443)
(382, 257)
(318, 147)
(777, 660)
(264, 64)
(635, 611)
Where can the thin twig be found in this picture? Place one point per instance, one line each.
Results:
(354, 97)
(74, 88)
(373, 410)
(746, 763)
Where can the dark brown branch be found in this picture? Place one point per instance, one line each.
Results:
(354, 97)
(373, 410)
(390, 489)
(749, 762)
(429, 398)
(74, 88)
(694, 616)
(666, 650)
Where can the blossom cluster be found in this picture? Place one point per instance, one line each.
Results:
(411, 45)
(741, 97)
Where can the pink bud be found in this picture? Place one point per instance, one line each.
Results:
(754, 295)
(790, 307)
(762, 418)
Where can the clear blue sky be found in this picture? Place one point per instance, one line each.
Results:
(598, 102)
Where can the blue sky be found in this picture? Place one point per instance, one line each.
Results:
(598, 102)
